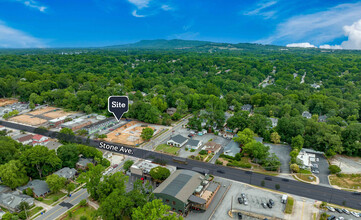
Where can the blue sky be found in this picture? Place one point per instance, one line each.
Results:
(82, 23)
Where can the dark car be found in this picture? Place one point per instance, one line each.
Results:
(248, 172)
(331, 217)
(268, 178)
(285, 180)
(240, 200)
(339, 210)
(264, 205)
(190, 135)
(239, 215)
(271, 202)
(269, 205)
(220, 171)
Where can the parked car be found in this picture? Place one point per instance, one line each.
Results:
(239, 215)
(331, 209)
(331, 217)
(115, 165)
(245, 201)
(340, 218)
(346, 211)
(243, 195)
(285, 180)
(355, 214)
(240, 200)
(268, 178)
(269, 205)
(220, 171)
(271, 202)
(264, 205)
(315, 165)
(339, 210)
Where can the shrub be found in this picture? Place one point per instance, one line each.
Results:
(203, 152)
(40, 199)
(219, 162)
(263, 183)
(334, 169)
(186, 148)
(277, 186)
(83, 203)
(226, 156)
(295, 168)
(83, 218)
(192, 150)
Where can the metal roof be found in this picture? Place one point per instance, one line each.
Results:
(180, 184)
(196, 199)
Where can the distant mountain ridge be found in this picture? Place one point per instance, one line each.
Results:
(190, 44)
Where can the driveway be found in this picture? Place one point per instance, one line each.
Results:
(282, 151)
(323, 168)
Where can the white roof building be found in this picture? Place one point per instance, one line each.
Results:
(306, 158)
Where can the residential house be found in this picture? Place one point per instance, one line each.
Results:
(40, 187)
(322, 118)
(12, 200)
(246, 107)
(306, 114)
(171, 111)
(212, 147)
(142, 168)
(177, 141)
(4, 189)
(226, 134)
(40, 140)
(67, 173)
(24, 138)
(231, 107)
(82, 164)
(274, 122)
(185, 189)
(193, 144)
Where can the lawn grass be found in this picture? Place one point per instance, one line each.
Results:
(167, 149)
(289, 205)
(303, 171)
(79, 212)
(53, 197)
(305, 178)
(34, 211)
(349, 181)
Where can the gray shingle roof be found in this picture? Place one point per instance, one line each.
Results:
(12, 200)
(66, 172)
(39, 187)
(84, 161)
(179, 139)
(192, 142)
(181, 184)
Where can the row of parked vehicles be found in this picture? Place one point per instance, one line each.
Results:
(243, 200)
(332, 209)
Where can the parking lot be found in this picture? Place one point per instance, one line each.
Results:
(323, 168)
(255, 197)
(283, 153)
(344, 215)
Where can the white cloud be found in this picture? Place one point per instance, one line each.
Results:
(12, 38)
(304, 45)
(166, 7)
(319, 27)
(140, 3)
(260, 9)
(33, 4)
(134, 13)
(327, 46)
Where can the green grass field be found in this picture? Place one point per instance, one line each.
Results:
(289, 205)
(53, 197)
(167, 149)
(82, 211)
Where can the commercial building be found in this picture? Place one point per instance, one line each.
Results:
(100, 125)
(141, 168)
(306, 158)
(76, 124)
(184, 190)
(57, 121)
(177, 141)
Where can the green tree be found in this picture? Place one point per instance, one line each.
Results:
(154, 210)
(92, 179)
(55, 183)
(334, 169)
(295, 168)
(9, 149)
(66, 135)
(116, 206)
(31, 105)
(147, 134)
(244, 137)
(40, 161)
(240, 120)
(256, 150)
(116, 181)
(275, 138)
(70, 187)
(83, 203)
(13, 174)
(159, 173)
(68, 154)
(127, 164)
(297, 142)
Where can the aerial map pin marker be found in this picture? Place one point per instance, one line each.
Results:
(118, 105)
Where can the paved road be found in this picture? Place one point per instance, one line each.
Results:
(316, 192)
(64, 206)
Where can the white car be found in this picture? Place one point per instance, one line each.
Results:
(245, 202)
(355, 214)
(331, 209)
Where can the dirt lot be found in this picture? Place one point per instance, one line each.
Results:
(57, 114)
(4, 102)
(29, 120)
(347, 164)
(42, 111)
(129, 133)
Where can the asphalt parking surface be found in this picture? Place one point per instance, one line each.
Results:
(346, 217)
(323, 168)
(282, 151)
